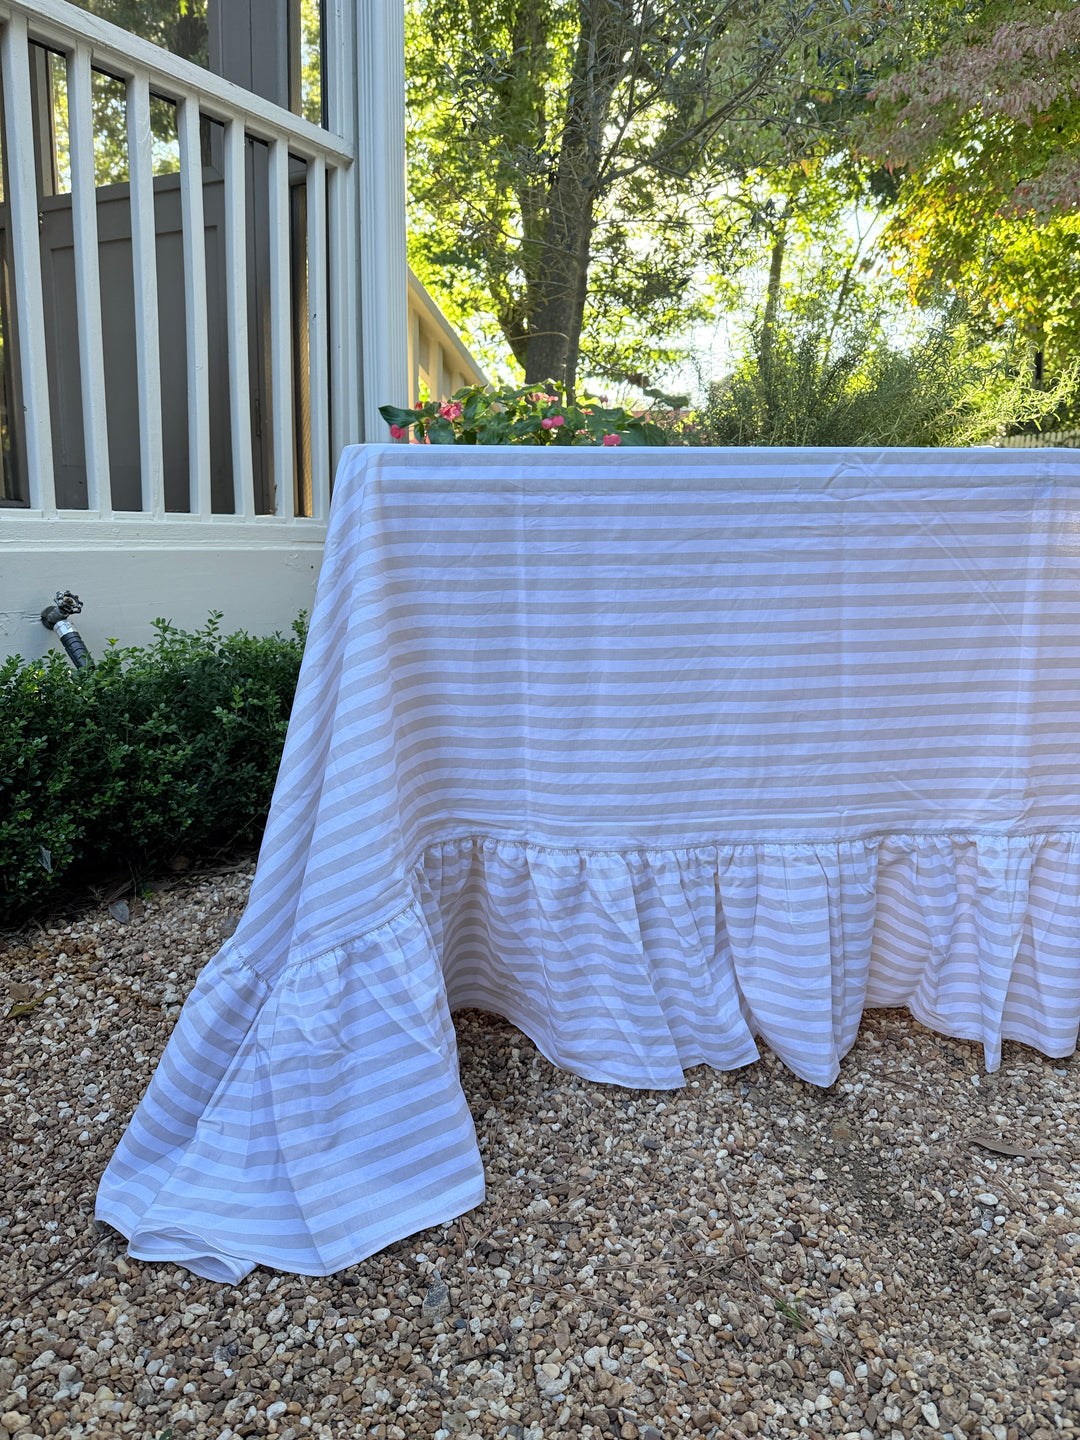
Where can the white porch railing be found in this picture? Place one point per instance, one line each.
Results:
(333, 289)
(438, 359)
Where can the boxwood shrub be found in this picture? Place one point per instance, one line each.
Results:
(159, 749)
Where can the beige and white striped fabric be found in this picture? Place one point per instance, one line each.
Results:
(655, 753)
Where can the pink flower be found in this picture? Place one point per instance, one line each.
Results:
(450, 410)
(611, 440)
(552, 422)
(397, 431)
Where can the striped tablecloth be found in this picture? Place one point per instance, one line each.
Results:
(654, 753)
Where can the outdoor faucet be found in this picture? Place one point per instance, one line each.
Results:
(55, 618)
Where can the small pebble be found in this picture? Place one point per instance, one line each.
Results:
(711, 1260)
(437, 1301)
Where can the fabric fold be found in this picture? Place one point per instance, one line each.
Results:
(307, 1122)
(337, 1125)
(979, 937)
(630, 967)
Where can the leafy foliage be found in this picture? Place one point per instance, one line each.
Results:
(985, 133)
(179, 26)
(482, 415)
(858, 387)
(157, 748)
(566, 157)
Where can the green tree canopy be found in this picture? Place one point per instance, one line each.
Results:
(570, 160)
(985, 134)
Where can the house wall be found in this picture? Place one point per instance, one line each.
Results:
(127, 576)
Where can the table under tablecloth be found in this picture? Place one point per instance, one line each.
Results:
(653, 753)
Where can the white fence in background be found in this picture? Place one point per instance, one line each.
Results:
(333, 324)
(1067, 439)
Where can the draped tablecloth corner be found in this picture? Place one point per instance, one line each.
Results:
(655, 755)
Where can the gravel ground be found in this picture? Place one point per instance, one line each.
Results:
(747, 1256)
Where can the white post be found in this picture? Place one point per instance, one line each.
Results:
(414, 356)
(236, 299)
(339, 19)
(26, 264)
(318, 390)
(144, 274)
(198, 338)
(88, 282)
(281, 389)
(380, 157)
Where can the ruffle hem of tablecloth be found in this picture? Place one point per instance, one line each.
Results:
(306, 1122)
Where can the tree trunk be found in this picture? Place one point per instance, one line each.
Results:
(555, 329)
(573, 348)
(772, 300)
(563, 262)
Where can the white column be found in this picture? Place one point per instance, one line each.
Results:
(380, 157)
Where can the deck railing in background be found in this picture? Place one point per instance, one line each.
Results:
(332, 320)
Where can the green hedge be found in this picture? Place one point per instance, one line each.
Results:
(169, 747)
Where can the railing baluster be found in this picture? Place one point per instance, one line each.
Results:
(281, 397)
(88, 282)
(318, 386)
(344, 380)
(26, 264)
(237, 307)
(144, 275)
(331, 398)
(198, 344)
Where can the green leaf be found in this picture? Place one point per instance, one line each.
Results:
(652, 434)
(395, 415)
(441, 432)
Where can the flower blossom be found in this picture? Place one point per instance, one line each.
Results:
(397, 431)
(611, 440)
(450, 410)
(552, 422)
